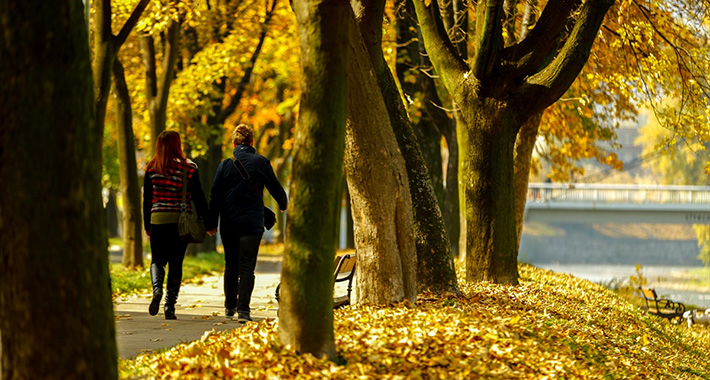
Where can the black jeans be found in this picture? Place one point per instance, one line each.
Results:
(240, 252)
(168, 249)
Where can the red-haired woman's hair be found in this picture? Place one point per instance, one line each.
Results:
(167, 148)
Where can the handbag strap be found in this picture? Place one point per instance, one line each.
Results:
(245, 174)
(183, 205)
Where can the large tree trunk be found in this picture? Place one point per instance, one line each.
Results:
(379, 188)
(524, 146)
(53, 263)
(498, 90)
(491, 253)
(306, 303)
(128, 172)
(435, 266)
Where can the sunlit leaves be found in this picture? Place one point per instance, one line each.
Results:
(551, 326)
(645, 52)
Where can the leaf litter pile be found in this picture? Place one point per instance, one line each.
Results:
(551, 326)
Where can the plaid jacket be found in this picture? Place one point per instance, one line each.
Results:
(163, 193)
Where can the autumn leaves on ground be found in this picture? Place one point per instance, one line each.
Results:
(551, 326)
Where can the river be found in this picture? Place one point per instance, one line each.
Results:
(655, 274)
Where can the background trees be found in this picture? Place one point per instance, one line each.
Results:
(53, 263)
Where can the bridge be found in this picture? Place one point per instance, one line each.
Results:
(603, 203)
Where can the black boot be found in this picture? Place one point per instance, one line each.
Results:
(157, 274)
(173, 289)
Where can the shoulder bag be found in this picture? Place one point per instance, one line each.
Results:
(269, 216)
(190, 230)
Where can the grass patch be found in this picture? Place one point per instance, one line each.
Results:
(125, 281)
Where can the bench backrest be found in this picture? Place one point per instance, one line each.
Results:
(344, 267)
(649, 294)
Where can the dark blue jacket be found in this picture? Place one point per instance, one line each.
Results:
(234, 199)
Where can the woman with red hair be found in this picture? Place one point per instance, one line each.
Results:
(162, 200)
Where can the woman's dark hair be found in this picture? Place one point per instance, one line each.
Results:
(167, 148)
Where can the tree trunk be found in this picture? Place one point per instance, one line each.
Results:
(53, 262)
(104, 56)
(379, 188)
(349, 225)
(128, 172)
(418, 86)
(491, 253)
(112, 214)
(306, 303)
(435, 266)
(524, 146)
(106, 48)
(452, 209)
(497, 91)
(158, 88)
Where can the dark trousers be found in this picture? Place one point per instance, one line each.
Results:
(168, 249)
(240, 252)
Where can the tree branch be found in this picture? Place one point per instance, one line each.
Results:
(442, 53)
(130, 24)
(148, 54)
(528, 19)
(489, 35)
(509, 20)
(241, 87)
(529, 54)
(545, 87)
(169, 58)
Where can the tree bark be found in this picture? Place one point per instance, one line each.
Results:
(128, 172)
(491, 253)
(435, 266)
(106, 48)
(104, 56)
(501, 90)
(306, 303)
(379, 188)
(53, 262)
(410, 67)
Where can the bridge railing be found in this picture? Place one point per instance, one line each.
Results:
(606, 193)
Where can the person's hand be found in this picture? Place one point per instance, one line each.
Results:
(147, 232)
(212, 232)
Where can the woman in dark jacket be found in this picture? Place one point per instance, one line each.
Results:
(162, 199)
(236, 198)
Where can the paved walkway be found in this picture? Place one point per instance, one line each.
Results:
(200, 308)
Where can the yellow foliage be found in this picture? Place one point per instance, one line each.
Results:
(551, 326)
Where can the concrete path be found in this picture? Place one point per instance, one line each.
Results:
(200, 308)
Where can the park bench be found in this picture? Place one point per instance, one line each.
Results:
(660, 306)
(344, 271)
